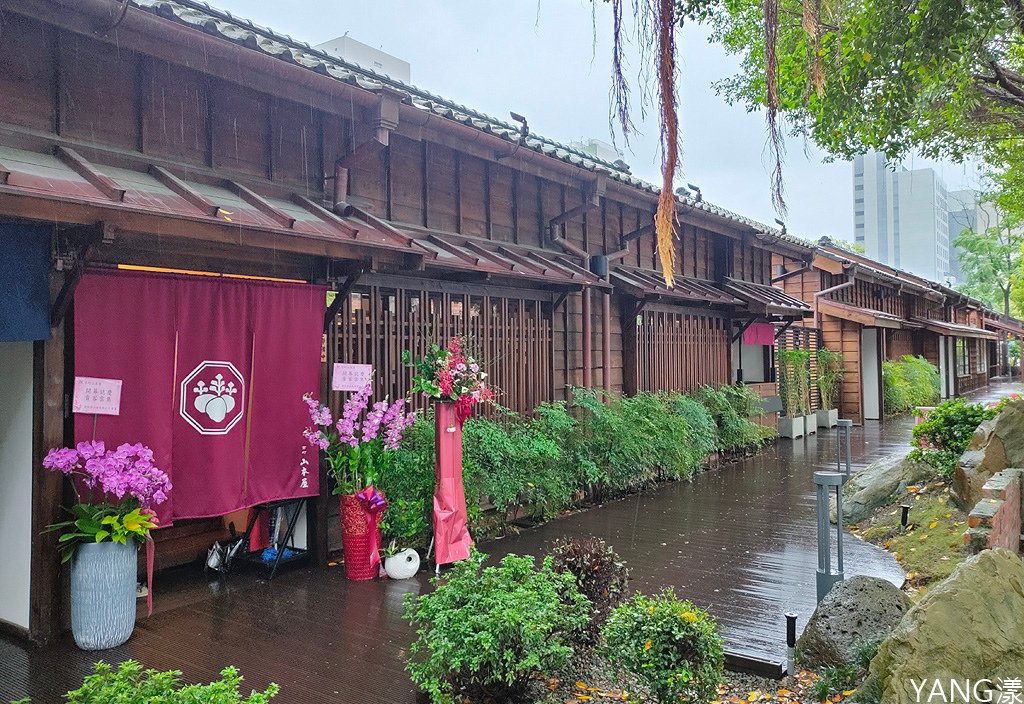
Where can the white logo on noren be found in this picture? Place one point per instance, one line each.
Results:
(213, 397)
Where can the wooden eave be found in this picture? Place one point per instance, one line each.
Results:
(863, 316)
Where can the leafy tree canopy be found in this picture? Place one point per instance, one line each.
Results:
(943, 77)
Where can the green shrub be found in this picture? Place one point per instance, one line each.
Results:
(830, 375)
(492, 630)
(409, 487)
(835, 680)
(943, 436)
(130, 684)
(908, 383)
(670, 645)
(732, 430)
(600, 575)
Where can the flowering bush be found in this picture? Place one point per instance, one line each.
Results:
(360, 446)
(670, 645)
(449, 374)
(125, 480)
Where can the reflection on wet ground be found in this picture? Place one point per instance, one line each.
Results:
(739, 541)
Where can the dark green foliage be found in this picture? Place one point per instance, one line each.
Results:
(908, 383)
(670, 645)
(730, 408)
(130, 684)
(490, 631)
(601, 576)
(944, 435)
(795, 381)
(596, 445)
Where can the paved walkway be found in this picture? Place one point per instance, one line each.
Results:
(739, 541)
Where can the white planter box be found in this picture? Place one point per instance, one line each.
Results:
(811, 423)
(828, 418)
(792, 426)
(403, 565)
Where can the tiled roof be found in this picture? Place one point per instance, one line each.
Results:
(769, 300)
(651, 285)
(207, 19)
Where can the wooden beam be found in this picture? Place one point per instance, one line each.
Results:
(647, 229)
(260, 203)
(194, 197)
(453, 250)
(339, 298)
(492, 257)
(100, 181)
(783, 329)
(743, 328)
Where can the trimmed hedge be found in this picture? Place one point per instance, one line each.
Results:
(595, 446)
(908, 383)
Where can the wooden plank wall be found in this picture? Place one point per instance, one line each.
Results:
(680, 349)
(844, 336)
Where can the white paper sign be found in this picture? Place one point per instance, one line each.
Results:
(97, 396)
(351, 377)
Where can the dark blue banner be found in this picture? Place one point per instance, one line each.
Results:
(24, 281)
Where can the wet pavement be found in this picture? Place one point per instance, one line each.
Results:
(739, 540)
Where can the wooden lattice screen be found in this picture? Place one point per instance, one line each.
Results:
(804, 338)
(511, 335)
(681, 350)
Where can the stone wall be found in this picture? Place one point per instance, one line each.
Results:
(995, 521)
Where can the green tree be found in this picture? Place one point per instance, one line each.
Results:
(942, 77)
(990, 257)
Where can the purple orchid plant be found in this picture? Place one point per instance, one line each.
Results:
(123, 484)
(360, 446)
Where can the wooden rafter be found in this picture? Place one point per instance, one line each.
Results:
(324, 214)
(534, 264)
(490, 256)
(636, 234)
(184, 190)
(457, 252)
(261, 204)
(342, 294)
(100, 181)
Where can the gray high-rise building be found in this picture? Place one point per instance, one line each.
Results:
(901, 216)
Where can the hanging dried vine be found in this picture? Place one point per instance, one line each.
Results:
(665, 217)
(772, 100)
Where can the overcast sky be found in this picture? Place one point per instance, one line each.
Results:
(541, 61)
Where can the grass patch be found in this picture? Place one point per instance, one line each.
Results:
(933, 543)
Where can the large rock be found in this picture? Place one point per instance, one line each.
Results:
(995, 445)
(967, 627)
(856, 611)
(874, 485)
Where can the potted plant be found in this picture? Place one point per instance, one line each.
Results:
(455, 381)
(830, 375)
(804, 378)
(404, 522)
(791, 422)
(359, 447)
(102, 539)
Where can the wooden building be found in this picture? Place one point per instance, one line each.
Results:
(166, 135)
(872, 312)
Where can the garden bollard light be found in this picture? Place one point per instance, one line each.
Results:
(823, 481)
(844, 428)
(791, 644)
(905, 516)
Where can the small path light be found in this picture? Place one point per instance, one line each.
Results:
(905, 516)
(823, 481)
(790, 643)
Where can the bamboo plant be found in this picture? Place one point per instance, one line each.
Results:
(830, 375)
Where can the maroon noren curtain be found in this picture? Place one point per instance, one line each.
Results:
(214, 370)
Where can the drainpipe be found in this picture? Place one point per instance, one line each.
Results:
(850, 273)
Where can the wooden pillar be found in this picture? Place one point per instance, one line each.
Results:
(49, 430)
(629, 347)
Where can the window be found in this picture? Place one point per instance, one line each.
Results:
(962, 359)
(981, 357)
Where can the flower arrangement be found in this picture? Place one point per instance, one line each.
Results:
(449, 374)
(361, 444)
(128, 483)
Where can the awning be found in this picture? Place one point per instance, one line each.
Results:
(63, 186)
(1006, 325)
(956, 330)
(864, 316)
(649, 285)
(485, 259)
(767, 301)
